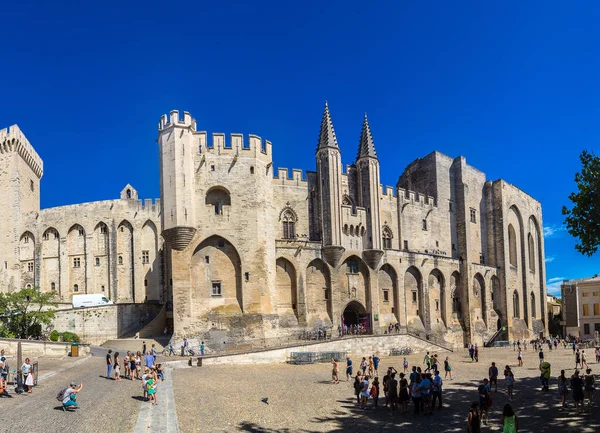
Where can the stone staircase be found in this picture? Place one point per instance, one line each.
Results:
(156, 327)
(122, 345)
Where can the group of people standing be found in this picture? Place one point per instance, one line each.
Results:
(132, 365)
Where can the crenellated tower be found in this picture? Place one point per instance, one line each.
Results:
(369, 192)
(329, 172)
(177, 185)
(21, 169)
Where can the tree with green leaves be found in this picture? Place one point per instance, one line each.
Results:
(583, 220)
(23, 313)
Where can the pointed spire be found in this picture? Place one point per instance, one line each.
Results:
(366, 147)
(327, 136)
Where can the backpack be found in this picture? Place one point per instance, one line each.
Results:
(61, 395)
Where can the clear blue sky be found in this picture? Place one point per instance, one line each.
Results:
(513, 86)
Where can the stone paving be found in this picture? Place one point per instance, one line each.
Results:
(301, 399)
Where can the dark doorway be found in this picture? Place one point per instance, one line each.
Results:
(356, 314)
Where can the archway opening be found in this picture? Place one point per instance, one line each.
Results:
(356, 314)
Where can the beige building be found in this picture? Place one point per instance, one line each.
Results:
(241, 250)
(581, 307)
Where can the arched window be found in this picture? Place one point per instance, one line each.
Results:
(516, 309)
(52, 287)
(532, 305)
(289, 224)
(76, 288)
(120, 260)
(512, 245)
(531, 252)
(217, 197)
(28, 286)
(387, 238)
(128, 193)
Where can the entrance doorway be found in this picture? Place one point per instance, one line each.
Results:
(356, 314)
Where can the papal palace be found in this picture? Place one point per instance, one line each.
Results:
(237, 250)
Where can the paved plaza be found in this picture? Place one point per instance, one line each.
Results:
(300, 399)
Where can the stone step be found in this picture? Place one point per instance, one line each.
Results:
(134, 344)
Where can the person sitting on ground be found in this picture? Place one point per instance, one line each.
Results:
(69, 398)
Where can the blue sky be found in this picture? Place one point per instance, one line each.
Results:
(513, 86)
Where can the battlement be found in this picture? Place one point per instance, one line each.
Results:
(13, 140)
(389, 191)
(186, 121)
(298, 177)
(236, 144)
(408, 196)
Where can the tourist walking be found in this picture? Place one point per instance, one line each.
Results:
(577, 387)
(437, 390)
(474, 419)
(588, 381)
(392, 390)
(4, 371)
(541, 355)
(520, 358)
(483, 391)
(563, 389)
(335, 378)
(132, 367)
(510, 423)
(545, 375)
(127, 365)
(405, 365)
(28, 375)
(151, 390)
(509, 377)
(348, 368)
(376, 364)
(426, 387)
(583, 359)
(202, 347)
(138, 365)
(476, 353)
(117, 367)
(493, 373)
(415, 393)
(375, 391)
(578, 359)
(370, 366)
(357, 386)
(427, 361)
(447, 368)
(108, 363)
(364, 392)
(363, 366)
(143, 347)
(472, 352)
(403, 395)
(597, 352)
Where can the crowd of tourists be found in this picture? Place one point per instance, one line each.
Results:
(421, 386)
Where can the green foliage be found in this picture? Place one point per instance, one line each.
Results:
(70, 337)
(54, 335)
(583, 220)
(23, 313)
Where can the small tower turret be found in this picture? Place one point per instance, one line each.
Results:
(329, 171)
(369, 192)
(176, 149)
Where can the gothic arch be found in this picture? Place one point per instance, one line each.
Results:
(455, 294)
(218, 197)
(216, 269)
(151, 264)
(50, 260)
(540, 283)
(512, 246)
(479, 296)
(413, 292)
(388, 292)
(435, 284)
(387, 235)
(531, 251)
(516, 305)
(353, 280)
(125, 262)
(287, 294)
(318, 292)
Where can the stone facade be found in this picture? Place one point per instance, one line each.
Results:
(111, 247)
(241, 251)
(260, 254)
(581, 307)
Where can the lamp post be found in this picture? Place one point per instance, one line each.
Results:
(19, 389)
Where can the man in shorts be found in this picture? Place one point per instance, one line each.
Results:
(493, 373)
(348, 368)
